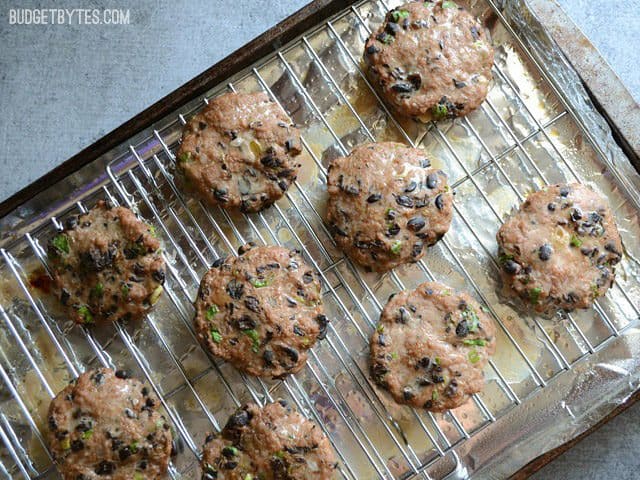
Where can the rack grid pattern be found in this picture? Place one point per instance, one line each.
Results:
(315, 79)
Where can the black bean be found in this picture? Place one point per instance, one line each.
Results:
(158, 276)
(544, 252)
(71, 223)
(337, 230)
(229, 452)
(403, 87)
(129, 413)
(511, 267)
(416, 80)
(373, 198)
(298, 331)
(404, 201)
(64, 296)
(378, 371)
(451, 389)
(235, 289)
(267, 356)
(416, 224)
(393, 230)
(424, 362)
(221, 194)
(410, 187)
(210, 438)
(437, 378)
(439, 202)
(564, 191)
(576, 214)
(474, 33)
(246, 323)
(432, 180)
(252, 303)
(242, 249)
(462, 329)
(403, 315)
(124, 453)
(218, 262)
(292, 353)
(105, 468)
(382, 340)
(458, 84)
(551, 207)
(407, 393)
(307, 277)
(291, 301)
(425, 163)
(372, 49)
(77, 445)
(392, 28)
(323, 323)
(123, 374)
(352, 190)
(417, 248)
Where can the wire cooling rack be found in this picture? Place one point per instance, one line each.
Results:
(521, 138)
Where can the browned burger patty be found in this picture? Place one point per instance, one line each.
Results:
(386, 205)
(270, 443)
(430, 60)
(105, 425)
(106, 265)
(261, 311)
(239, 152)
(431, 346)
(560, 249)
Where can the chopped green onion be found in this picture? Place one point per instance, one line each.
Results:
(65, 443)
(134, 447)
(138, 476)
(436, 360)
(256, 148)
(125, 290)
(185, 157)
(471, 317)
(394, 355)
(259, 283)
(215, 336)
(85, 313)
(434, 395)
(211, 312)
(152, 231)
(396, 247)
(87, 434)
(439, 111)
(575, 241)
(595, 290)
(230, 450)
(279, 454)
(449, 4)
(61, 243)
(474, 356)
(155, 295)
(255, 337)
(385, 38)
(399, 15)
(97, 291)
(248, 476)
(380, 328)
(504, 258)
(480, 342)
(534, 294)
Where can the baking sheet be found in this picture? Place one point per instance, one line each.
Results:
(551, 377)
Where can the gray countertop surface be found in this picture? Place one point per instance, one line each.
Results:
(64, 86)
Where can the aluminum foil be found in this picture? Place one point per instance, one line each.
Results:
(550, 379)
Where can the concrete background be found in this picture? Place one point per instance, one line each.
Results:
(64, 86)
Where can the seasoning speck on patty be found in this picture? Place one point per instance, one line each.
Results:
(273, 442)
(387, 205)
(261, 311)
(105, 424)
(430, 347)
(106, 265)
(239, 152)
(430, 60)
(560, 249)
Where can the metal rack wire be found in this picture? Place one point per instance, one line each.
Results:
(373, 437)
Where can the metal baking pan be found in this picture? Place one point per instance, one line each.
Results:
(551, 379)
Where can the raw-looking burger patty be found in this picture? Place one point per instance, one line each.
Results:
(270, 443)
(560, 249)
(430, 60)
(239, 152)
(386, 205)
(431, 346)
(261, 311)
(106, 265)
(105, 425)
